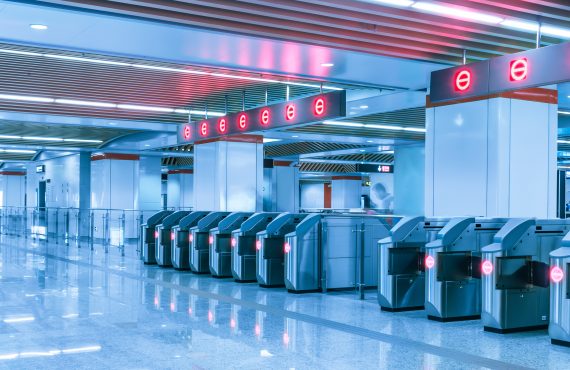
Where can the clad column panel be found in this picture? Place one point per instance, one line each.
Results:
(346, 191)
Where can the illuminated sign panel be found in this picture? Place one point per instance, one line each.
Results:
(374, 168)
(532, 68)
(295, 112)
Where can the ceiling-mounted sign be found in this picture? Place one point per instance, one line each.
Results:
(290, 113)
(374, 168)
(531, 68)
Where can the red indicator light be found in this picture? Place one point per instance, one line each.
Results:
(156, 234)
(190, 311)
(211, 239)
(265, 115)
(257, 330)
(430, 262)
(242, 121)
(319, 106)
(487, 267)
(462, 80)
(210, 316)
(187, 132)
(234, 242)
(519, 69)
(290, 112)
(204, 129)
(171, 236)
(556, 274)
(222, 126)
(385, 169)
(190, 238)
(258, 245)
(232, 323)
(287, 247)
(172, 307)
(285, 338)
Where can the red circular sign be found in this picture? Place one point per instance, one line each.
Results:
(463, 80)
(290, 112)
(242, 121)
(204, 129)
(487, 267)
(556, 274)
(519, 69)
(430, 262)
(265, 117)
(187, 132)
(222, 126)
(319, 106)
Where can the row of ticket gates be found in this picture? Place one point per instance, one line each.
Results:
(513, 274)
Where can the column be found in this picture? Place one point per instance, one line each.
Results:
(281, 187)
(12, 188)
(346, 191)
(493, 156)
(409, 180)
(180, 186)
(228, 174)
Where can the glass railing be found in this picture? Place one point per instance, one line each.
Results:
(106, 227)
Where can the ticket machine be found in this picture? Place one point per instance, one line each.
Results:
(164, 238)
(401, 281)
(180, 243)
(270, 253)
(243, 246)
(149, 235)
(199, 243)
(516, 294)
(453, 268)
(220, 243)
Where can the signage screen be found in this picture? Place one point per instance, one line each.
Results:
(40, 168)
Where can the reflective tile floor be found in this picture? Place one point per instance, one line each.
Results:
(70, 308)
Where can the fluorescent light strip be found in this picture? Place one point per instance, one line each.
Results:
(34, 99)
(40, 138)
(19, 319)
(563, 141)
(567, 113)
(20, 52)
(145, 108)
(555, 31)
(519, 25)
(86, 103)
(380, 127)
(20, 151)
(89, 60)
(457, 12)
(395, 2)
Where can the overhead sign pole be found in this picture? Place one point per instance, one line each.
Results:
(287, 114)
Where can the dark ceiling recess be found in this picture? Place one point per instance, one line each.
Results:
(355, 25)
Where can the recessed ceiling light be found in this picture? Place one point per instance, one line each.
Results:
(327, 65)
(362, 150)
(38, 27)
(295, 136)
(369, 141)
(364, 107)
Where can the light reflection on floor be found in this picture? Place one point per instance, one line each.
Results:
(64, 307)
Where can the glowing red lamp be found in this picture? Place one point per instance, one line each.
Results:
(156, 234)
(242, 121)
(287, 247)
(556, 274)
(211, 239)
(190, 238)
(265, 115)
(487, 267)
(319, 106)
(290, 112)
(233, 242)
(171, 236)
(187, 132)
(258, 245)
(204, 129)
(222, 126)
(430, 262)
(518, 69)
(463, 80)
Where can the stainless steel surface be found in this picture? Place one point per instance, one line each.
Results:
(180, 244)
(270, 255)
(523, 306)
(559, 327)
(453, 283)
(220, 243)
(163, 250)
(402, 287)
(243, 243)
(335, 251)
(199, 242)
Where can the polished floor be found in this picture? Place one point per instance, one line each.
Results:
(72, 308)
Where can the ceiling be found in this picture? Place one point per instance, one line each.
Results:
(364, 26)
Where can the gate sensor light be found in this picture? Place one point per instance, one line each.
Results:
(190, 238)
(430, 262)
(556, 274)
(258, 245)
(234, 242)
(287, 247)
(487, 267)
(211, 239)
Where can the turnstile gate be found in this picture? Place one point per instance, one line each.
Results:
(180, 243)
(199, 242)
(220, 243)
(165, 238)
(149, 235)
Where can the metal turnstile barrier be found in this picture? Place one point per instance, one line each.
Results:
(270, 253)
(199, 257)
(163, 250)
(559, 327)
(515, 275)
(335, 251)
(401, 280)
(149, 236)
(220, 243)
(453, 268)
(243, 246)
(180, 243)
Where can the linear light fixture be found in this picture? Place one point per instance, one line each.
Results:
(396, 2)
(38, 99)
(40, 138)
(166, 69)
(519, 25)
(563, 141)
(567, 113)
(372, 125)
(269, 140)
(457, 12)
(17, 151)
(13, 320)
(555, 31)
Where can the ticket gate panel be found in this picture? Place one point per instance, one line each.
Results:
(180, 244)
(559, 326)
(163, 252)
(220, 246)
(514, 298)
(453, 282)
(401, 277)
(148, 240)
(199, 242)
